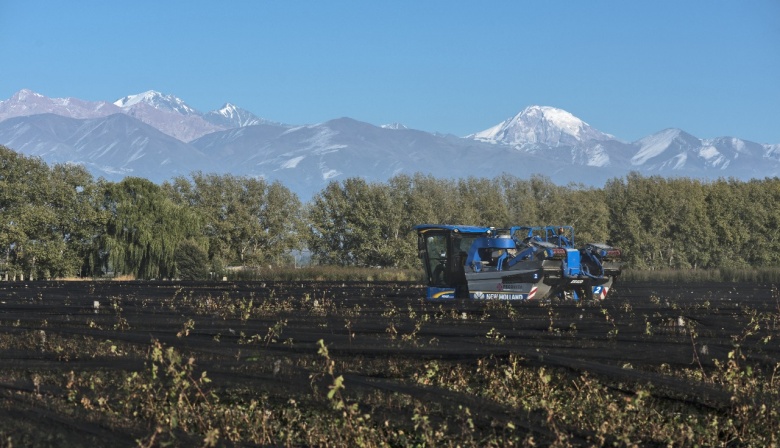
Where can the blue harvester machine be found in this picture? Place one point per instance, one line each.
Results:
(518, 263)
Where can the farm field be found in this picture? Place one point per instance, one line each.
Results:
(371, 364)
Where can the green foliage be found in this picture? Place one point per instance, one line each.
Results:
(684, 223)
(357, 224)
(59, 222)
(47, 217)
(191, 261)
(143, 229)
(247, 221)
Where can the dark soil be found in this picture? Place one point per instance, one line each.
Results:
(50, 329)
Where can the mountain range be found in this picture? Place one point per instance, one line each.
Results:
(159, 136)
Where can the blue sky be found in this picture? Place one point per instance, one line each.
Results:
(629, 68)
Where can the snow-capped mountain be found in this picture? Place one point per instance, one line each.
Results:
(556, 134)
(232, 116)
(167, 113)
(666, 149)
(676, 150)
(159, 136)
(158, 101)
(563, 138)
(542, 125)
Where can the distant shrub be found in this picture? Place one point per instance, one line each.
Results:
(191, 261)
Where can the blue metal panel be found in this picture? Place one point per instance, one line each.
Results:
(473, 259)
(493, 243)
(573, 263)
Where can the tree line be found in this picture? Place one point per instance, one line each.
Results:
(58, 221)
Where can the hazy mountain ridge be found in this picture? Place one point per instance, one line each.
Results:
(26, 102)
(113, 147)
(159, 136)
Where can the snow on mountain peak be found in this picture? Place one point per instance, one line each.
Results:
(654, 145)
(231, 115)
(541, 124)
(658, 143)
(132, 100)
(558, 117)
(25, 94)
(395, 126)
(228, 109)
(156, 100)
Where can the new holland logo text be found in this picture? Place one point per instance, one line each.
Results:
(481, 295)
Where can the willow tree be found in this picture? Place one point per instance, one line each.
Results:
(143, 229)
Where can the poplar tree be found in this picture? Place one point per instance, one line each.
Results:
(247, 221)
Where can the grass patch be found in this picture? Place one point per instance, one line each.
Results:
(351, 273)
(327, 273)
(757, 275)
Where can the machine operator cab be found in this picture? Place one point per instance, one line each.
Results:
(443, 250)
